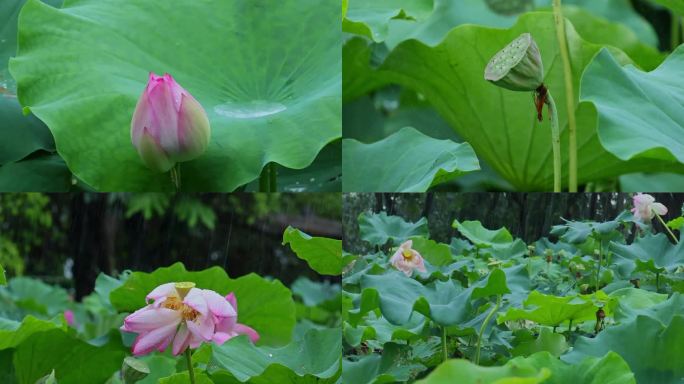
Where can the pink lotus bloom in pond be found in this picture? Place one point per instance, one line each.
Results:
(180, 315)
(406, 259)
(645, 207)
(169, 126)
(69, 317)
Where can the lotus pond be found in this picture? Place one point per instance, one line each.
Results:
(587, 302)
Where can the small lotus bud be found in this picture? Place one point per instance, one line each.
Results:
(169, 126)
(134, 370)
(518, 66)
(600, 314)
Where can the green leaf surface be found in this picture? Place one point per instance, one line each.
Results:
(445, 302)
(541, 367)
(500, 125)
(316, 354)
(74, 361)
(277, 101)
(266, 306)
(650, 252)
(372, 18)
(481, 236)
(379, 228)
(46, 173)
(642, 120)
(649, 347)
(11, 337)
(552, 310)
(183, 378)
(449, 14)
(406, 161)
(380, 369)
(548, 341)
(3, 278)
(676, 6)
(322, 254)
(465, 372)
(437, 254)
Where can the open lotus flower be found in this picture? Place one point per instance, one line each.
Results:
(183, 316)
(406, 259)
(169, 126)
(645, 207)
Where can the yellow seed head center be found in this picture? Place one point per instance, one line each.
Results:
(408, 254)
(175, 303)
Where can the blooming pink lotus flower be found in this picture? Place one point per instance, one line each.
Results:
(69, 317)
(645, 207)
(169, 126)
(406, 259)
(183, 316)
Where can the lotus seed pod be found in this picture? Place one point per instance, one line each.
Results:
(509, 7)
(518, 66)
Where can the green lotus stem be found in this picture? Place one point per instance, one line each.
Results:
(555, 142)
(569, 95)
(598, 270)
(657, 282)
(444, 344)
(267, 179)
(570, 326)
(667, 229)
(191, 371)
(176, 177)
(484, 326)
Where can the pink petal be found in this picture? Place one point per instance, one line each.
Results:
(181, 341)
(161, 292)
(232, 300)
(246, 330)
(202, 327)
(225, 324)
(220, 338)
(148, 319)
(149, 341)
(659, 209)
(195, 300)
(218, 305)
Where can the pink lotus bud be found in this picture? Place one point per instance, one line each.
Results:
(169, 126)
(69, 317)
(180, 315)
(645, 207)
(406, 259)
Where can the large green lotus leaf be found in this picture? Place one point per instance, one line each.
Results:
(656, 182)
(270, 88)
(553, 310)
(266, 306)
(378, 328)
(675, 5)
(46, 173)
(322, 254)
(314, 293)
(576, 232)
(183, 378)
(14, 335)
(36, 296)
(481, 236)
(315, 355)
(379, 228)
(445, 302)
(652, 305)
(437, 254)
(74, 361)
(389, 367)
(500, 125)
(650, 252)
(449, 14)
(639, 113)
(650, 347)
(464, 372)
(371, 18)
(3, 278)
(548, 341)
(406, 161)
(541, 367)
